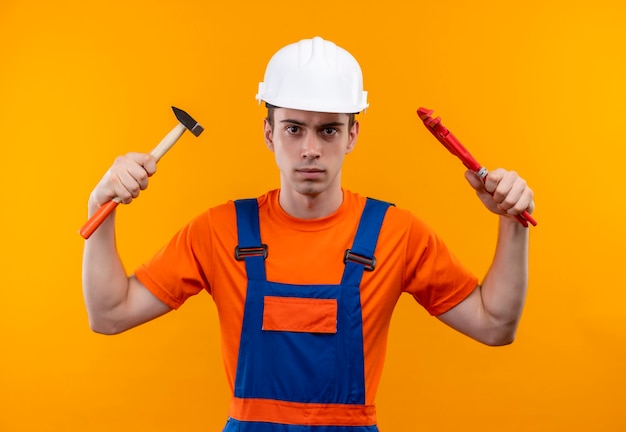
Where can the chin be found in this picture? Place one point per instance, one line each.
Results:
(310, 189)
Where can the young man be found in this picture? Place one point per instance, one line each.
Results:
(305, 278)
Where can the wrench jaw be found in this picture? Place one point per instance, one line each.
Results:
(433, 124)
(437, 129)
(424, 113)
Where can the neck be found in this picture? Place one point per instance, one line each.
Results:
(310, 206)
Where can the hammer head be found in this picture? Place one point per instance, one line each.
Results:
(186, 120)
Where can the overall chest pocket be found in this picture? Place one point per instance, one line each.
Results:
(299, 348)
(293, 314)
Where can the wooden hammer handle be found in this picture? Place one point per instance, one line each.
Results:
(168, 141)
(106, 209)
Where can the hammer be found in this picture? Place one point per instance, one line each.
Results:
(185, 122)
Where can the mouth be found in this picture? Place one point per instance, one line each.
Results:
(310, 173)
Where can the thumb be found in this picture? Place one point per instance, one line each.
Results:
(474, 181)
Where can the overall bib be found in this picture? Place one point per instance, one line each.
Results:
(300, 366)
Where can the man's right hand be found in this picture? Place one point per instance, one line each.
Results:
(125, 179)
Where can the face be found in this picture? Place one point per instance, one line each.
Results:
(309, 148)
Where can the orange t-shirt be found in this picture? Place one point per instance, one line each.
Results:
(409, 258)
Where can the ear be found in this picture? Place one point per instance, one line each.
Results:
(268, 134)
(354, 133)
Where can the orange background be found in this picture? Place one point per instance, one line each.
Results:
(535, 86)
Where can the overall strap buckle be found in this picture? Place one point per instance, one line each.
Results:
(254, 251)
(368, 263)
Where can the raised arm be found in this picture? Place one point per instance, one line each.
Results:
(114, 301)
(491, 313)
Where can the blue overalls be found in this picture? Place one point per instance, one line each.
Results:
(303, 378)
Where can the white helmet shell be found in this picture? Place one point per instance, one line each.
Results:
(314, 75)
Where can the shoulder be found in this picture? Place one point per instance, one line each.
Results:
(402, 226)
(396, 216)
(225, 213)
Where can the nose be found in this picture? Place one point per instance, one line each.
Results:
(310, 147)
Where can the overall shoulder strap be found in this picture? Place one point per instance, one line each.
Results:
(361, 256)
(250, 248)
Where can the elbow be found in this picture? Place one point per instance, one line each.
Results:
(103, 330)
(501, 337)
(103, 326)
(500, 341)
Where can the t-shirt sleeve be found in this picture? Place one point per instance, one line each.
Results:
(175, 272)
(434, 276)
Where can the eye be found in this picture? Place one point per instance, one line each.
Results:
(292, 129)
(329, 131)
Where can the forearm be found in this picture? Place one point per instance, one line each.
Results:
(504, 288)
(105, 283)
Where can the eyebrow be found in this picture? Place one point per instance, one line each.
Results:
(322, 126)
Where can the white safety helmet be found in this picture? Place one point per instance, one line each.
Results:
(314, 75)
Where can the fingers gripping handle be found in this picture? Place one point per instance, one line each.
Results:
(106, 209)
(524, 218)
